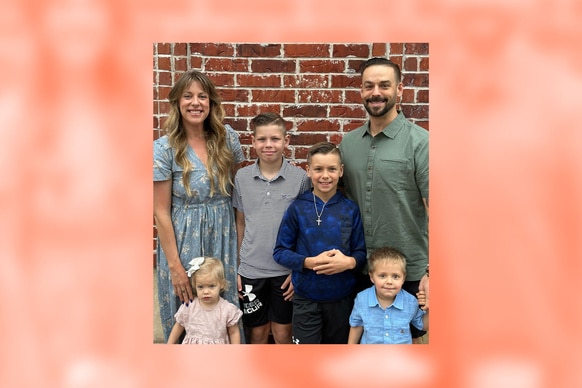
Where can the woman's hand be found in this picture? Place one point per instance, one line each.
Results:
(181, 283)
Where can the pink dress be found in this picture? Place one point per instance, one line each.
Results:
(207, 326)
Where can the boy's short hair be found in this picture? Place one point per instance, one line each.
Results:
(268, 118)
(389, 254)
(324, 147)
(383, 62)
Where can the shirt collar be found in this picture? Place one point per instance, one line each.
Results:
(373, 299)
(392, 129)
(256, 171)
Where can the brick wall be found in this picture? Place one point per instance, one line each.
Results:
(314, 86)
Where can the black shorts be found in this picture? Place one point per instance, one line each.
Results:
(263, 302)
(321, 322)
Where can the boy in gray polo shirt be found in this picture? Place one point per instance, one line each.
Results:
(262, 192)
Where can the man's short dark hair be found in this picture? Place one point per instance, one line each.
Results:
(382, 62)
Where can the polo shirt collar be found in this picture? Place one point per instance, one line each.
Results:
(256, 171)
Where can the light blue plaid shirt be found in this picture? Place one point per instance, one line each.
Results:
(386, 326)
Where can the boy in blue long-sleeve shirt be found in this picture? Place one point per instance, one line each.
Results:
(321, 239)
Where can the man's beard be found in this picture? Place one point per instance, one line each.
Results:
(379, 112)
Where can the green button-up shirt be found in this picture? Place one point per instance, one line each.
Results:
(387, 175)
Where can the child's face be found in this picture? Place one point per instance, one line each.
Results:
(208, 289)
(388, 278)
(325, 171)
(269, 143)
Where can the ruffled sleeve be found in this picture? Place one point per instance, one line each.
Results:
(163, 159)
(234, 144)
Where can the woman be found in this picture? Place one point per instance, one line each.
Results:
(193, 169)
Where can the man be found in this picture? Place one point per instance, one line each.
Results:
(386, 173)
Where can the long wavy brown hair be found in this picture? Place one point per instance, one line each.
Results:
(220, 158)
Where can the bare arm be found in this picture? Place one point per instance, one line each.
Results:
(167, 239)
(234, 334)
(175, 334)
(355, 334)
(240, 230)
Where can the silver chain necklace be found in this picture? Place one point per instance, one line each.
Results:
(316, 212)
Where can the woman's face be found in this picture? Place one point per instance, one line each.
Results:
(194, 105)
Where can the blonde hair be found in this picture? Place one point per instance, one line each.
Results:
(386, 254)
(220, 157)
(212, 267)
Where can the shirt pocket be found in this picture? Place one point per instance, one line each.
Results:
(395, 174)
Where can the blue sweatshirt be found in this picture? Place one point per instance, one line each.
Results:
(300, 237)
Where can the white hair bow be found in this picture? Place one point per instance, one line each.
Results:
(195, 264)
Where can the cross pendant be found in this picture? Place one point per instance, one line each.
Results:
(318, 221)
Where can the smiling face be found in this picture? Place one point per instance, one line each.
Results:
(194, 105)
(270, 142)
(388, 277)
(380, 90)
(325, 171)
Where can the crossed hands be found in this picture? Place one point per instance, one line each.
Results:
(330, 262)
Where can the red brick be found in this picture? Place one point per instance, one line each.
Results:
(195, 62)
(273, 95)
(181, 64)
(229, 109)
(408, 95)
(348, 127)
(308, 139)
(251, 110)
(165, 78)
(319, 96)
(163, 92)
(156, 124)
(307, 81)
(415, 111)
(321, 66)
(234, 94)
(164, 107)
(353, 97)
(415, 79)
(346, 81)
(335, 138)
(305, 111)
(410, 64)
(396, 59)
(252, 80)
(164, 49)
(416, 48)
(259, 50)
(272, 66)
(227, 64)
(351, 50)
(356, 64)
(423, 124)
(164, 64)
(396, 49)
(325, 125)
(345, 111)
(212, 49)
(423, 64)
(180, 49)
(422, 96)
(306, 50)
(221, 79)
(163, 121)
(380, 49)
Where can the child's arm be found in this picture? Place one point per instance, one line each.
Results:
(355, 334)
(423, 304)
(234, 334)
(175, 334)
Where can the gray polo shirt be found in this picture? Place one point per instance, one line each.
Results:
(263, 203)
(387, 175)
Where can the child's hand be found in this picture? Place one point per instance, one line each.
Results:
(332, 262)
(288, 285)
(422, 300)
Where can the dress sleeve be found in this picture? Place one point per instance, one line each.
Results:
(234, 144)
(233, 315)
(181, 315)
(163, 159)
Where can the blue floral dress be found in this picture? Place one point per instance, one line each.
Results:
(203, 225)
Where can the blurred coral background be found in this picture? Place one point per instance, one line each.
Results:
(76, 193)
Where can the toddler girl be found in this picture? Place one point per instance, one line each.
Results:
(209, 319)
